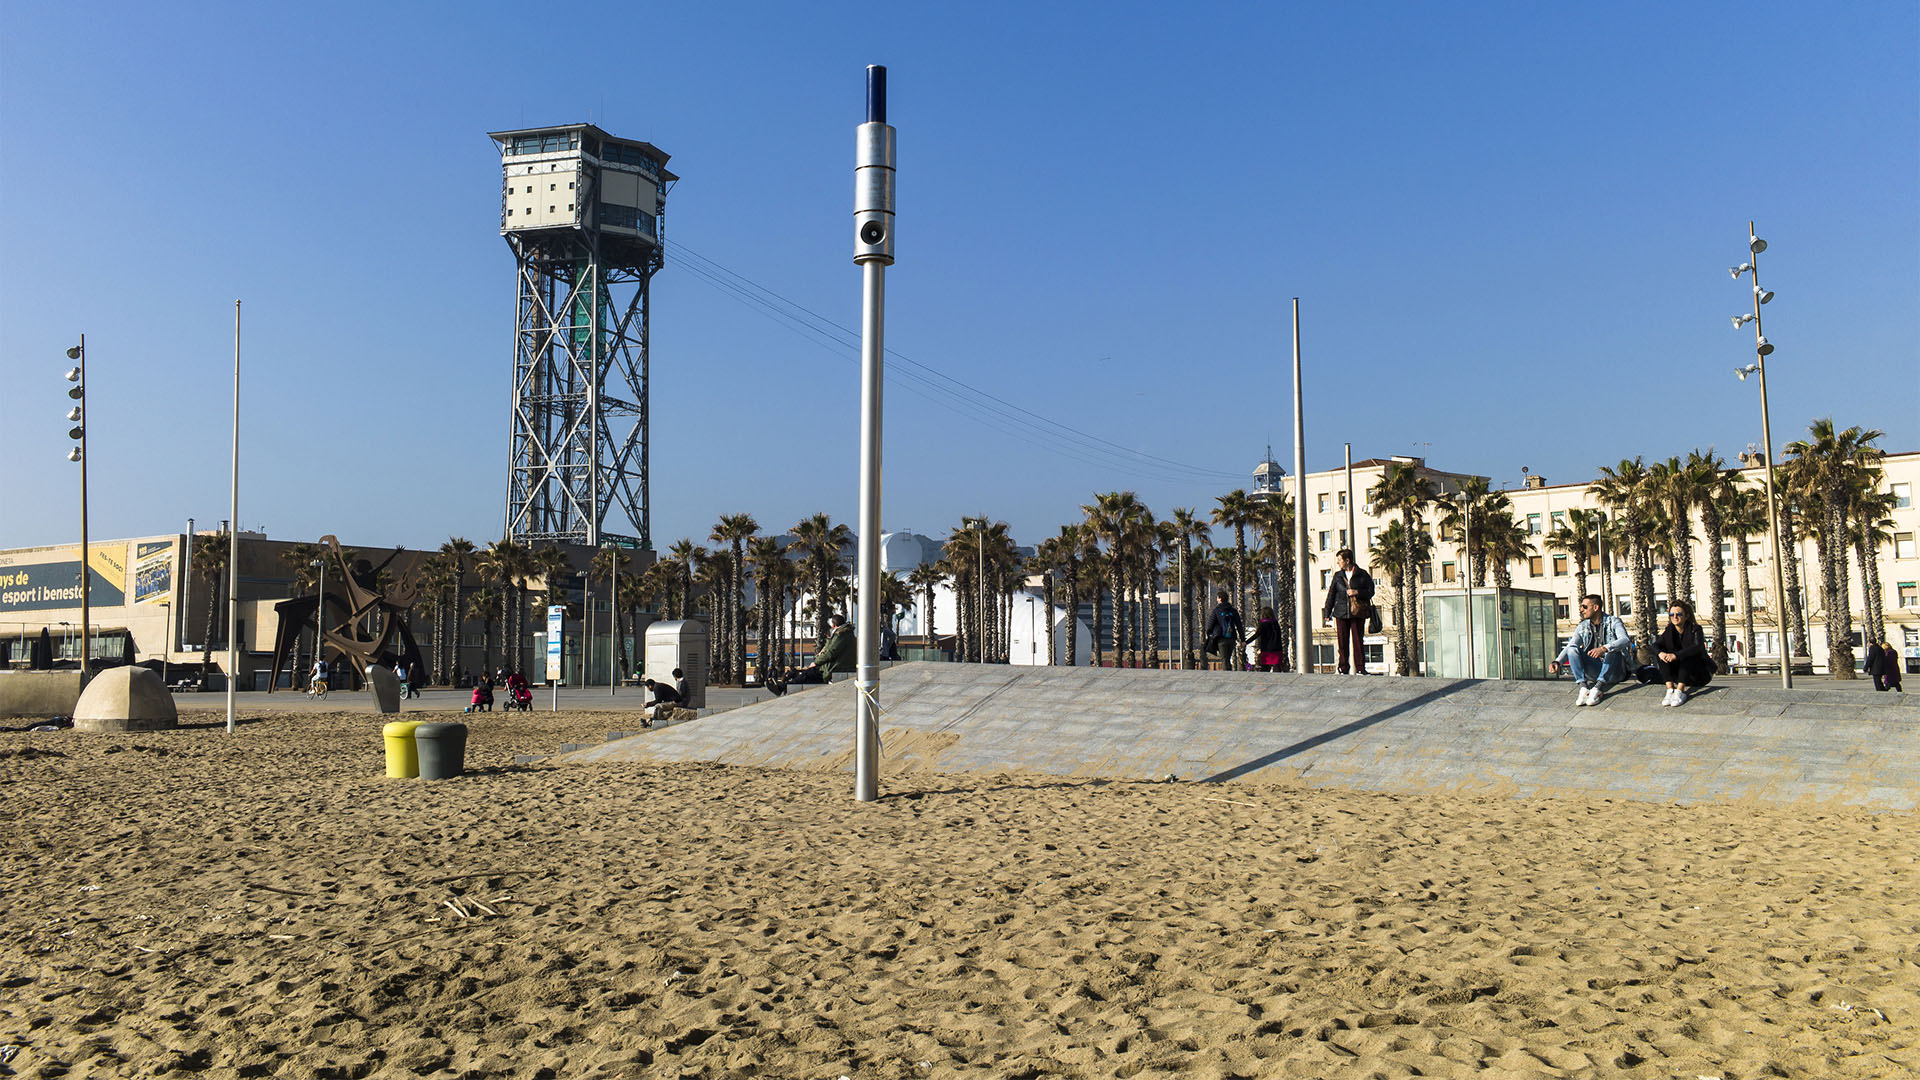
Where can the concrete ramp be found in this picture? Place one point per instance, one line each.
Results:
(1851, 747)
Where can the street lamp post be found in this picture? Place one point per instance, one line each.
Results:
(319, 622)
(1762, 349)
(979, 525)
(166, 646)
(78, 414)
(613, 624)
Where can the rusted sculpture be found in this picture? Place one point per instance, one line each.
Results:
(352, 596)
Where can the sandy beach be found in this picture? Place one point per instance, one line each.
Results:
(268, 904)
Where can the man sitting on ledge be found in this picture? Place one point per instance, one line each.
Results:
(1599, 651)
(835, 654)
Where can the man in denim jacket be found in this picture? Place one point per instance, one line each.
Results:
(1599, 652)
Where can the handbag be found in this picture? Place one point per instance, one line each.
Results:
(1373, 620)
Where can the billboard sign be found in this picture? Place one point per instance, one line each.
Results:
(55, 584)
(556, 622)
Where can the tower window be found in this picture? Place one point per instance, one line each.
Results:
(550, 187)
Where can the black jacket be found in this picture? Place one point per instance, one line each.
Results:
(1226, 623)
(1336, 605)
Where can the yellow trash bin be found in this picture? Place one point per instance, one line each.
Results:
(403, 758)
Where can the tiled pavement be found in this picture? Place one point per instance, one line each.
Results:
(1749, 740)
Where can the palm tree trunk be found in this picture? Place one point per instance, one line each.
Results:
(1838, 600)
(1791, 608)
(1870, 605)
(1099, 658)
(1746, 595)
(1643, 598)
(1716, 584)
(1073, 613)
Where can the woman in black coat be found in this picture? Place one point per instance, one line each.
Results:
(1680, 652)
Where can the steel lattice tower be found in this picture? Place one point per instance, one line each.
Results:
(582, 211)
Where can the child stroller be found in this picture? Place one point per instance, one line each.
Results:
(518, 698)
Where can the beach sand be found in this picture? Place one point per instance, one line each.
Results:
(267, 904)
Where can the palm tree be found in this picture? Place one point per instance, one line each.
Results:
(735, 530)
(458, 551)
(924, 579)
(1402, 488)
(1675, 485)
(1273, 514)
(485, 605)
(1742, 513)
(1871, 530)
(1626, 489)
(1236, 512)
(1187, 527)
(605, 567)
(820, 542)
(681, 556)
(1112, 519)
(1465, 518)
(1578, 536)
(1714, 486)
(210, 566)
(1502, 542)
(1401, 553)
(495, 566)
(436, 575)
(1830, 467)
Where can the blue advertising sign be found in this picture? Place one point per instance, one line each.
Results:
(50, 585)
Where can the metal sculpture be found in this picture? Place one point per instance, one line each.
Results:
(353, 595)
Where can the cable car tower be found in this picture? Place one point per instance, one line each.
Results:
(582, 211)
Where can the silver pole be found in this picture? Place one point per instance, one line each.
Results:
(1466, 572)
(613, 622)
(86, 568)
(873, 215)
(186, 589)
(1186, 662)
(320, 620)
(1303, 592)
(1773, 515)
(233, 532)
(1353, 524)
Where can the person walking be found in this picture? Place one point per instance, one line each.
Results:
(1226, 634)
(1891, 676)
(1598, 652)
(1266, 641)
(1680, 654)
(1349, 602)
(1876, 664)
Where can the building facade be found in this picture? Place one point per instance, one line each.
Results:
(1333, 522)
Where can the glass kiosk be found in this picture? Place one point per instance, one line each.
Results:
(1513, 633)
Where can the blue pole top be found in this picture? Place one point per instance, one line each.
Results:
(876, 94)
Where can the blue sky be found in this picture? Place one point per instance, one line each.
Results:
(1509, 227)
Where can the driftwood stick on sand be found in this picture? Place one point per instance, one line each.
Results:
(457, 909)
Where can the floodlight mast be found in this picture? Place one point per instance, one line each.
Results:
(873, 251)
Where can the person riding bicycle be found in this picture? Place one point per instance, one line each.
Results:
(317, 678)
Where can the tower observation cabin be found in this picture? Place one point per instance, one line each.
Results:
(583, 213)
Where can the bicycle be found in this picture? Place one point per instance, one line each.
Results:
(317, 689)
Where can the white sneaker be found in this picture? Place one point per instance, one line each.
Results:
(1594, 692)
(1580, 698)
(1668, 699)
(1679, 696)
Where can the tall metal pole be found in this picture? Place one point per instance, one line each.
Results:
(1186, 661)
(1466, 573)
(1766, 437)
(1353, 524)
(873, 251)
(613, 621)
(186, 588)
(1303, 585)
(233, 533)
(86, 565)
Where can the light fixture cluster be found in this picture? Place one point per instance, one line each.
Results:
(1761, 345)
(77, 392)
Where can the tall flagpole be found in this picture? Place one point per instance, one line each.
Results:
(233, 532)
(1303, 604)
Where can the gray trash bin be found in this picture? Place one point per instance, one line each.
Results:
(442, 748)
